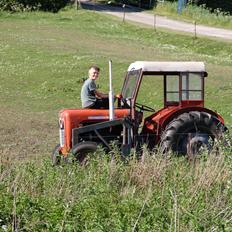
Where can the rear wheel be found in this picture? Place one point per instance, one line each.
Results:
(81, 150)
(191, 132)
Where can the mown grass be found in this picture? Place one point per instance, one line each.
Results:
(195, 13)
(39, 51)
(43, 58)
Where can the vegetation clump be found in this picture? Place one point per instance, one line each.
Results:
(225, 5)
(152, 194)
(201, 14)
(29, 5)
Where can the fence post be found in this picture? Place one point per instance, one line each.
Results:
(195, 29)
(76, 4)
(181, 4)
(154, 21)
(124, 12)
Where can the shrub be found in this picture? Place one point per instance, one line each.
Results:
(28, 5)
(225, 5)
(11, 5)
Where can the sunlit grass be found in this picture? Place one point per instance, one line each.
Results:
(46, 56)
(43, 58)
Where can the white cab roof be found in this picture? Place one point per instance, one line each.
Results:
(154, 66)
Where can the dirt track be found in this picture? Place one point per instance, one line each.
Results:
(136, 15)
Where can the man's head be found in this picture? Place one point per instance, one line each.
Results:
(94, 72)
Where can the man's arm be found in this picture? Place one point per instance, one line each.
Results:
(101, 95)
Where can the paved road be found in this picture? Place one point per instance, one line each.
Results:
(136, 15)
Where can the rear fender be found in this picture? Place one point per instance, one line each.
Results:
(178, 112)
(157, 122)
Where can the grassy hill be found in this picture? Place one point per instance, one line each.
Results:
(43, 58)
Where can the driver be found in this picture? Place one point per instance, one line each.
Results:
(91, 98)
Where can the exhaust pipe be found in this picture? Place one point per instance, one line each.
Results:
(111, 93)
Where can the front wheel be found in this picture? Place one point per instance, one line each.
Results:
(81, 150)
(56, 156)
(191, 132)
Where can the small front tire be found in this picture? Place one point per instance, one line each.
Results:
(56, 155)
(81, 150)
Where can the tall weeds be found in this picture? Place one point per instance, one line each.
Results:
(155, 193)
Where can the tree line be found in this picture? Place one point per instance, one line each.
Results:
(30, 5)
(213, 5)
(222, 5)
(56, 5)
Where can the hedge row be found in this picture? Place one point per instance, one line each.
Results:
(25, 5)
(223, 5)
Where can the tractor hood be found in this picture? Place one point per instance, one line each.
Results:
(75, 118)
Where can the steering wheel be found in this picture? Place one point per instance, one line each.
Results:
(144, 107)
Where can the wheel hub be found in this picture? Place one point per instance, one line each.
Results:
(197, 141)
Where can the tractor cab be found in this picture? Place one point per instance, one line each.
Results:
(183, 83)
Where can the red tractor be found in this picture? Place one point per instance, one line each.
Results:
(182, 126)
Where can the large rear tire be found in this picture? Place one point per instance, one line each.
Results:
(190, 132)
(81, 150)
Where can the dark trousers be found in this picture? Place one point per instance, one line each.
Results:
(102, 103)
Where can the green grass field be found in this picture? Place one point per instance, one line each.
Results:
(43, 58)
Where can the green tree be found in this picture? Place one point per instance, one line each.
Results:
(22, 5)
